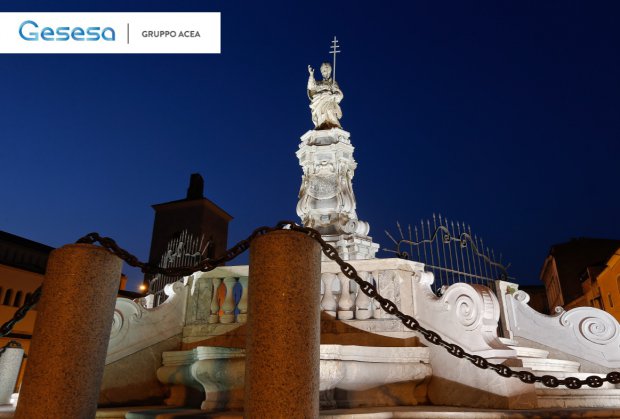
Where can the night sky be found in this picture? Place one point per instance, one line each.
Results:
(504, 115)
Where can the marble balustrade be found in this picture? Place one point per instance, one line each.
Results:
(216, 304)
(587, 333)
(467, 314)
(220, 296)
(228, 297)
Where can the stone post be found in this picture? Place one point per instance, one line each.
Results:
(71, 334)
(501, 289)
(10, 363)
(283, 327)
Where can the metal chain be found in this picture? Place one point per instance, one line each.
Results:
(433, 337)
(147, 268)
(205, 265)
(349, 271)
(21, 312)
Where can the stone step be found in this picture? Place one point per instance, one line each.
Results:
(412, 412)
(608, 395)
(581, 376)
(550, 365)
(581, 398)
(526, 352)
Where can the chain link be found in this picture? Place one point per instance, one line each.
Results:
(21, 312)
(350, 272)
(434, 338)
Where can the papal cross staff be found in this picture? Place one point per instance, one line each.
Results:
(334, 50)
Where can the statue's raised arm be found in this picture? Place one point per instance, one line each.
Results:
(325, 97)
(311, 82)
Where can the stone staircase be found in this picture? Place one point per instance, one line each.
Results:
(536, 360)
(195, 317)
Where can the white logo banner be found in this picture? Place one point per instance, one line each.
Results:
(110, 33)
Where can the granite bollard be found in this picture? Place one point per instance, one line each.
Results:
(70, 338)
(283, 327)
(10, 363)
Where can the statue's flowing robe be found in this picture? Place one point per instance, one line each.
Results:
(325, 96)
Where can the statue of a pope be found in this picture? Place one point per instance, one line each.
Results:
(325, 96)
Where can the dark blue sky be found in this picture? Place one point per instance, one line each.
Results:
(505, 115)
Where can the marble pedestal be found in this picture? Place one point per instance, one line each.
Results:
(326, 199)
(352, 246)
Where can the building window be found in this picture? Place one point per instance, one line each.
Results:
(555, 296)
(18, 299)
(8, 297)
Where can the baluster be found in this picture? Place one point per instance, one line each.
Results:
(363, 309)
(376, 309)
(328, 302)
(227, 310)
(243, 302)
(345, 302)
(203, 297)
(237, 290)
(215, 304)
